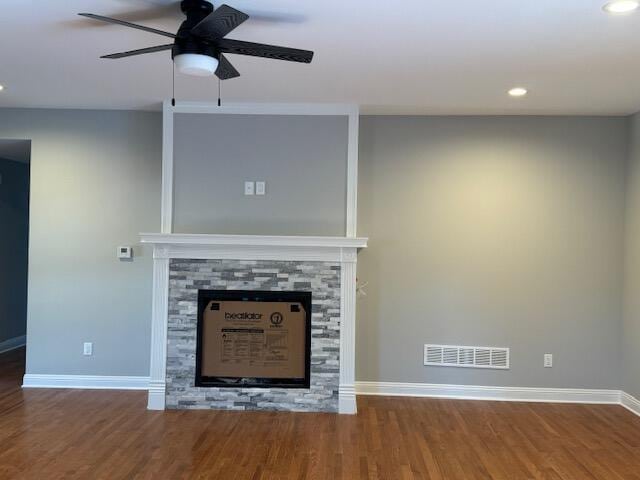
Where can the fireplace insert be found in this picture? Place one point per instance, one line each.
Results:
(249, 338)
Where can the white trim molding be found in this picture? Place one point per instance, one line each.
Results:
(13, 343)
(630, 403)
(166, 205)
(91, 382)
(167, 245)
(253, 247)
(347, 399)
(159, 319)
(351, 111)
(474, 392)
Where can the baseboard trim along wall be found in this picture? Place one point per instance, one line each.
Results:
(630, 403)
(13, 343)
(392, 389)
(504, 394)
(85, 382)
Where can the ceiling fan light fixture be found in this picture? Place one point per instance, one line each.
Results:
(196, 64)
(618, 7)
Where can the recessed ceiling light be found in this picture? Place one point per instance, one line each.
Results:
(621, 6)
(518, 92)
(1, 88)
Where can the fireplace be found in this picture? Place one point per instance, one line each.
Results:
(252, 338)
(316, 274)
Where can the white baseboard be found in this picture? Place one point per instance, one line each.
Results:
(13, 343)
(85, 382)
(630, 403)
(348, 404)
(347, 400)
(156, 399)
(472, 392)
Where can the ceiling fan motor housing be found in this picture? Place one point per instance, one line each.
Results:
(190, 6)
(185, 42)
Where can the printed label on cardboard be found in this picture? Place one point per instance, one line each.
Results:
(253, 339)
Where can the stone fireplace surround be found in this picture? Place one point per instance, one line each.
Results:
(184, 263)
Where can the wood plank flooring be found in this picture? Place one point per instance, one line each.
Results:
(71, 434)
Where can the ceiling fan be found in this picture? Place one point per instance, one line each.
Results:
(199, 46)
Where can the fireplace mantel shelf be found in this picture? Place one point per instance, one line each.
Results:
(254, 247)
(252, 240)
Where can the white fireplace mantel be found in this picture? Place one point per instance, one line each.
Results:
(253, 247)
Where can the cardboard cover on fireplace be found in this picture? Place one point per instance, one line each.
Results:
(253, 339)
(256, 339)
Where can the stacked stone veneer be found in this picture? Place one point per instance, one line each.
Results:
(188, 276)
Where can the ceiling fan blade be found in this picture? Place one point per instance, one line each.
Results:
(141, 51)
(157, 12)
(219, 23)
(239, 47)
(127, 24)
(225, 70)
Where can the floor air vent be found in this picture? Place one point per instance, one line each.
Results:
(471, 357)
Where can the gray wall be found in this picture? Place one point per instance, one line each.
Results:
(95, 184)
(14, 238)
(492, 231)
(488, 231)
(631, 328)
(303, 159)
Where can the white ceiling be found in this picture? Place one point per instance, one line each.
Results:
(411, 56)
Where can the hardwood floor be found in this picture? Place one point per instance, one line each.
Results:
(52, 434)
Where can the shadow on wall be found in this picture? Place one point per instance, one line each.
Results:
(14, 241)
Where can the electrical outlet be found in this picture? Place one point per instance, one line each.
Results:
(548, 360)
(261, 188)
(249, 188)
(88, 348)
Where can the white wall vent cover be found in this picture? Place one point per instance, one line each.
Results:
(463, 356)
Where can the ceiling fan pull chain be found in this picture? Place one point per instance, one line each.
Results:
(219, 92)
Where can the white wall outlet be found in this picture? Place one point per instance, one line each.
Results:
(125, 252)
(261, 188)
(88, 348)
(548, 360)
(249, 188)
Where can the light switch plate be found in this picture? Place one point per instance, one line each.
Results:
(261, 188)
(249, 188)
(88, 348)
(125, 252)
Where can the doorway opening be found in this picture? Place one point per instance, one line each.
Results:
(15, 163)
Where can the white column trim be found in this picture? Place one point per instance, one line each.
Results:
(159, 317)
(347, 395)
(352, 174)
(166, 208)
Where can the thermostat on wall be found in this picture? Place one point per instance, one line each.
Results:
(125, 252)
